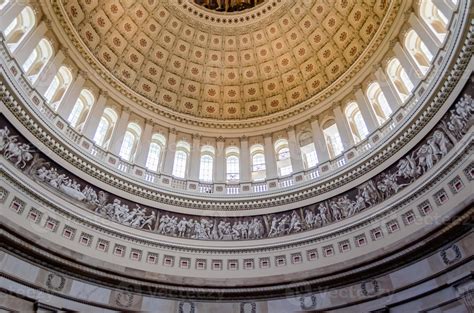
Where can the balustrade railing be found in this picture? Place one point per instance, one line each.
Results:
(206, 188)
(287, 182)
(124, 166)
(233, 187)
(260, 187)
(150, 177)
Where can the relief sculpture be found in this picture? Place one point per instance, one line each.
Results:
(406, 171)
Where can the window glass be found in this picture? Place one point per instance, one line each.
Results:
(180, 162)
(205, 170)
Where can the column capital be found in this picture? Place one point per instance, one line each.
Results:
(173, 131)
(357, 87)
(290, 128)
(149, 121)
(83, 74)
(244, 138)
(314, 119)
(375, 67)
(392, 43)
(48, 23)
(196, 136)
(104, 93)
(64, 50)
(266, 135)
(407, 13)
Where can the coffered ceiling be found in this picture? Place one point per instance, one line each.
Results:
(215, 65)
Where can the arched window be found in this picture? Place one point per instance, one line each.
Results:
(58, 87)
(379, 102)
(130, 142)
(180, 165)
(333, 139)
(38, 59)
(105, 127)
(16, 32)
(232, 163)
(356, 122)
(81, 108)
(76, 112)
(158, 142)
(418, 51)
(399, 78)
(258, 162)
(434, 18)
(206, 164)
(282, 151)
(308, 150)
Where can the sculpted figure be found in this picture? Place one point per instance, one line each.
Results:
(72, 189)
(360, 203)
(318, 221)
(456, 124)
(435, 151)
(366, 195)
(284, 225)
(102, 198)
(190, 228)
(183, 223)
(172, 226)
(235, 230)
(323, 213)
(245, 230)
(259, 229)
(425, 158)
(252, 229)
(149, 221)
(468, 104)
(295, 223)
(336, 210)
(407, 168)
(441, 143)
(19, 151)
(309, 218)
(10, 146)
(163, 222)
(274, 227)
(221, 229)
(200, 231)
(5, 137)
(137, 221)
(345, 205)
(90, 194)
(57, 181)
(42, 173)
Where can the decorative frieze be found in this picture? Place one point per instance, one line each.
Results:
(383, 186)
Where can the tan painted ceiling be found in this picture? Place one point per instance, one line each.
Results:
(226, 65)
